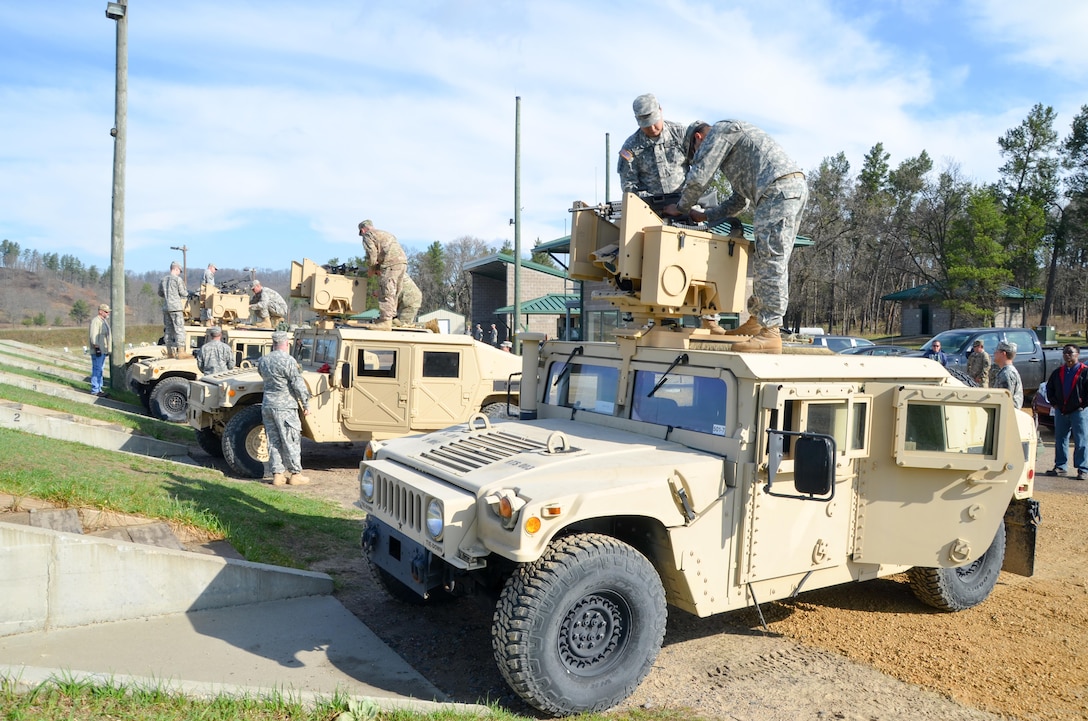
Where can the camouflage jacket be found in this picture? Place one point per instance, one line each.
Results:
(749, 159)
(215, 356)
(382, 249)
(653, 165)
(284, 388)
(271, 302)
(173, 293)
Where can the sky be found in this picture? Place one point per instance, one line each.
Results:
(262, 131)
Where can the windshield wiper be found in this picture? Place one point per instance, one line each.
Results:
(566, 365)
(682, 358)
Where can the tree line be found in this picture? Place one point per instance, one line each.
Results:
(886, 229)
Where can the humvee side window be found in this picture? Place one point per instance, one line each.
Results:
(441, 364)
(377, 363)
(690, 402)
(950, 428)
(251, 351)
(834, 418)
(587, 387)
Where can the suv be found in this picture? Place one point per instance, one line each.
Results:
(364, 384)
(664, 469)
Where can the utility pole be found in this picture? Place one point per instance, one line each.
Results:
(184, 263)
(517, 225)
(118, 12)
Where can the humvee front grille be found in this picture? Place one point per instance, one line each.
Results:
(402, 504)
(480, 450)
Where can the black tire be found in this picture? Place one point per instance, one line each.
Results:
(959, 588)
(169, 400)
(245, 445)
(497, 411)
(210, 441)
(579, 628)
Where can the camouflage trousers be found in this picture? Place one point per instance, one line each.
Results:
(776, 223)
(410, 300)
(390, 283)
(284, 430)
(173, 328)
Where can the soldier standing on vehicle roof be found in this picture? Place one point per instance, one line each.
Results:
(653, 160)
(207, 285)
(761, 175)
(385, 259)
(411, 297)
(215, 356)
(268, 305)
(284, 392)
(174, 296)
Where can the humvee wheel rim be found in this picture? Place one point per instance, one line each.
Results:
(257, 444)
(594, 633)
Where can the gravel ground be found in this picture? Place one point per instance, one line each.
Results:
(860, 652)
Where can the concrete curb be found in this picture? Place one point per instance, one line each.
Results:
(65, 427)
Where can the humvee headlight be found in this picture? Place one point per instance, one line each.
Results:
(506, 505)
(435, 520)
(366, 484)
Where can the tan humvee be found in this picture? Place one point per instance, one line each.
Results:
(664, 469)
(163, 383)
(364, 384)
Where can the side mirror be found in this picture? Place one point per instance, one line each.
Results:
(813, 464)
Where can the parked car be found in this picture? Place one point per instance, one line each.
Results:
(888, 350)
(839, 343)
(1040, 408)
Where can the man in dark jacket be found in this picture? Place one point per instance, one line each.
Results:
(1067, 390)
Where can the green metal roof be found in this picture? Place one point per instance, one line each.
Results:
(551, 304)
(928, 291)
(489, 265)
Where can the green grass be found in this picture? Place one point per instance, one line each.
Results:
(76, 337)
(263, 524)
(76, 700)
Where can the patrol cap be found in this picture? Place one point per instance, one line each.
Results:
(1007, 346)
(689, 138)
(215, 331)
(368, 223)
(255, 284)
(104, 307)
(279, 337)
(647, 110)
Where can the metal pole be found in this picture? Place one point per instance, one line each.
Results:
(517, 225)
(607, 171)
(118, 12)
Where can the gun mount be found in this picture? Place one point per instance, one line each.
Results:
(657, 269)
(329, 294)
(228, 303)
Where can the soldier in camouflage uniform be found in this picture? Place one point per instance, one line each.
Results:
(215, 356)
(408, 305)
(652, 160)
(174, 296)
(761, 175)
(386, 259)
(267, 305)
(284, 392)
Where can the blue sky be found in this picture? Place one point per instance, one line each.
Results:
(263, 131)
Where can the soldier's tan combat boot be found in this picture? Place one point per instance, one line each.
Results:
(749, 327)
(768, 340)
(712, 325)
(432, 326)
(297, 479)
(279, 479)
(386, 324)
